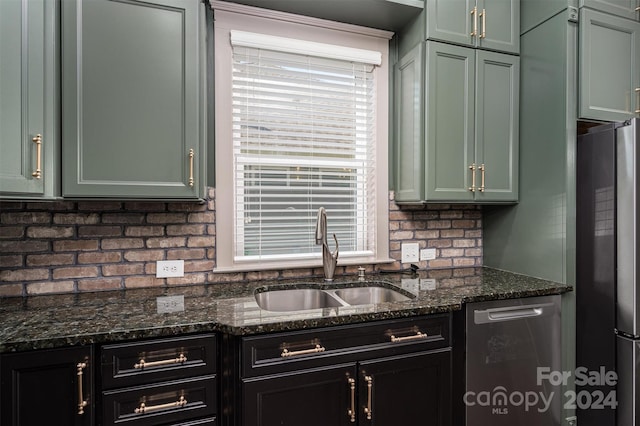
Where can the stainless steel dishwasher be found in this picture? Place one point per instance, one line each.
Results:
(513, 362)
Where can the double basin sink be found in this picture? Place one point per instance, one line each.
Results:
(298, 299)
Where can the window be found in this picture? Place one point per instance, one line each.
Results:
(299, 125)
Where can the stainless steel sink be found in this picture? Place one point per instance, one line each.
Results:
(284, 300)
(367, 295)
(296, 300)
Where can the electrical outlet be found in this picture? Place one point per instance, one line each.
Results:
(409, 252)
(169, 268)
(428, 254)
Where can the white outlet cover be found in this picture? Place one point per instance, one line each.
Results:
(169, 268)
(428, 254)
(409, 252)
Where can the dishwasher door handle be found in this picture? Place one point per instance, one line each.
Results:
(510, 313)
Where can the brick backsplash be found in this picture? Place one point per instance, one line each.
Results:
(69, 246)
(454, 230)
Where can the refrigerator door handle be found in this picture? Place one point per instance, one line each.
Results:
(488, 316)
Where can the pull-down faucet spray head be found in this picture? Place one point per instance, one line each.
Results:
(321, 226)
(329, 260)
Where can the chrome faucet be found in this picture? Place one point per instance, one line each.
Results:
(329, 260)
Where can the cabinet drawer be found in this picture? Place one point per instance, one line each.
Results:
(138, 363)
(173, 402)
(281, 352)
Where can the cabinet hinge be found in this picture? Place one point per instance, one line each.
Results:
(572, 14)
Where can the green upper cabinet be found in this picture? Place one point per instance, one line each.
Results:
(449, 132)
(497, 126)
(463, 146)
(487, 24)
(132, 102)
(609, 67)
(408, 125)
(28, 107)
(625, 8)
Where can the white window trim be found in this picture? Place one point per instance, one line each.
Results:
(289, 45)
(230, 16)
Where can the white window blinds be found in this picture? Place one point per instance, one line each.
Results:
(303, 137)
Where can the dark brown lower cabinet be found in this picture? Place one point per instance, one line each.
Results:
(408, 390)
(386, 373)
(47, 387)
(160, 382)
(310, 398)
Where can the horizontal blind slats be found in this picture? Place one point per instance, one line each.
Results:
(303, 134)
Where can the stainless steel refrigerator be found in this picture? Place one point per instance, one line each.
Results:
(607, 290)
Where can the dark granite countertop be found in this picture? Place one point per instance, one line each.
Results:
(72, 319)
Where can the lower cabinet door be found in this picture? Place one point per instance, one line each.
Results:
(411, 390)
(319, 397)
(47, 387)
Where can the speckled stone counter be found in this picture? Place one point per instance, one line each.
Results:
(72, 319)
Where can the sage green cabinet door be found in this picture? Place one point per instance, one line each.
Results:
(625, 8)
(451, 20)
(487, 24)
(497, 133)
(408, 126)
(449, 133)
(28, 106)
(131, 82)
(609, 67)
(499, 25)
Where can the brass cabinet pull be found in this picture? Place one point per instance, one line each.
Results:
(143, 408)
(286, 353)
(191, 155)
(367, 410)
(474, 13)
(81, 401)
(483, 15)
(472, 167)
(637, 100)
(352, 389)
(142, 364)
(419, 335)
(481, 177)
(38, 141)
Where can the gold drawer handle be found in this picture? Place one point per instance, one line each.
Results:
(191, 155)
(637, 100)
(38, 141)
(143, 408)
(419, 335)
(482, 178)
(474, 13)
(286, 353)
(472, 167)
(80, 373)
(142, 364)
(352, 411)
(483, 15)
(367, 410)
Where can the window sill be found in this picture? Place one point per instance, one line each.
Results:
(298, 265)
